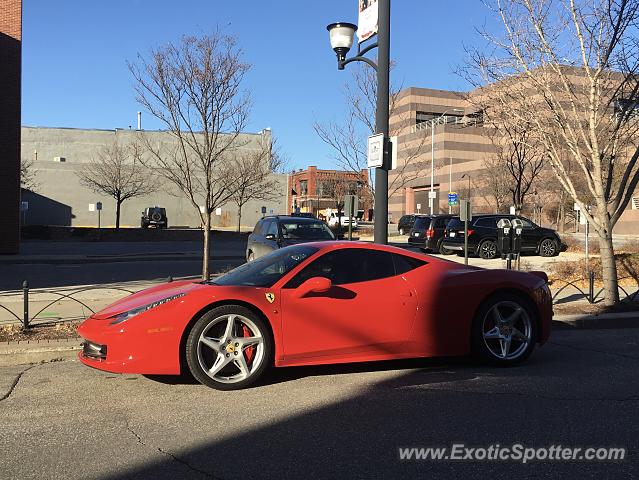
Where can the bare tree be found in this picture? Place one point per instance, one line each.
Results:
(520, 159)
(116, 171)
(27, 175)
(348, 140)
(569, 68)
(496, 179)
(252, 177)
(194, 88)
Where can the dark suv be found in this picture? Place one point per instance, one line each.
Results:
(155, 216)
(428, 233)
(274, 232)
(406, 222)
(482, 237)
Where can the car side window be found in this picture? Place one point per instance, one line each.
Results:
(270, 227)
(527, 224)
(405, 264)
(349, 265)
(489, 222)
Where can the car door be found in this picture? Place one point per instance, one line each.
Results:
(368, 309)
(531, 235)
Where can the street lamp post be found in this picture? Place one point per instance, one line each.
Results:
(341, 38)
(433, 122)
(462, 177)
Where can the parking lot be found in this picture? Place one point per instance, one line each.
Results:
(64, 420)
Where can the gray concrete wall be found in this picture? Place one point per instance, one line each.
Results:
(58, 181)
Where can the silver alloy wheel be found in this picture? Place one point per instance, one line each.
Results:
(222, 348)
(507, 330)
(547, 248)
(488, 250)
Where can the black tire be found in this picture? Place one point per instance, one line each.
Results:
(525, 323)
(548, 248)
(442, 250)
(144, 225)
(195, 357)
(488, 250)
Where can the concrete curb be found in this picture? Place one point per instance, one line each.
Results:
(36, 351)
(605, 320)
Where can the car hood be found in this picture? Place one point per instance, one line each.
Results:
(147, 296)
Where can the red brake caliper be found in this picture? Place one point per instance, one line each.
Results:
(250, 351)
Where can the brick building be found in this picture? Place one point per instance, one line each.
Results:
(10, 79)
(314, 190)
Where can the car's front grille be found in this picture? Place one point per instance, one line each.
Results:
(94, 350)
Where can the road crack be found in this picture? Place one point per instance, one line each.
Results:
(172, 456)
(14, 384)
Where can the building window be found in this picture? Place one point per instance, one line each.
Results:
(635, 203)
(303, 187)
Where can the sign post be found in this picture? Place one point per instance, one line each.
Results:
(465, 214)
(350, 207)
(98, 207)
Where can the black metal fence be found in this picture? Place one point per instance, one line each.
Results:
(25, 297)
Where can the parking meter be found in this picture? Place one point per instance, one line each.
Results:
(517, 229)
(504, 228)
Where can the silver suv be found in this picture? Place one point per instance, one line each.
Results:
(279, 231)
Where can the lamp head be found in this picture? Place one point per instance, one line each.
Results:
(341, 37)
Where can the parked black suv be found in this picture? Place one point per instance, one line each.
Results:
(428, 233)
(274, 232)
(155, 216)
(406, 223)
(482, 237)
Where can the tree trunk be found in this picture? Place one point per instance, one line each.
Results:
(118, 203)
(239, 217)
(609, 269)
(205, 254)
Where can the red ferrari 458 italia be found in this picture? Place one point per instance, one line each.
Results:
(320, 303)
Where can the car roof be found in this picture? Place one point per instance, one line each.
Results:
(294, 218)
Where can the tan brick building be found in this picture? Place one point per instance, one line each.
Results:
(10, 79)
(461, 146)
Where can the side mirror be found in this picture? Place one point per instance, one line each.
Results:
(313, 285)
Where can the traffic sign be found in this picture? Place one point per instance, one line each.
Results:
(453, 198)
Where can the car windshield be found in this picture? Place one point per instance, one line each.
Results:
(421, 223)
(266, 270)
(294, 230)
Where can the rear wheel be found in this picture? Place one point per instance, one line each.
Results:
(229, 348)
(504, 330)
(488, 250)
(548, 248)
(443, 250)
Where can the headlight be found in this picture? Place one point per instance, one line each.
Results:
(136, 311)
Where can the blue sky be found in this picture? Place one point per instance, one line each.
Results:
(75, 53)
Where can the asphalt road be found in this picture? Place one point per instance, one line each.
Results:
(64, 420)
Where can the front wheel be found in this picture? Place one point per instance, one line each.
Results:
(548, 248)
(229, 348)
(488, 250)
(504, 330)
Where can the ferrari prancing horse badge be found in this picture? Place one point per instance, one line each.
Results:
(270, 297)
